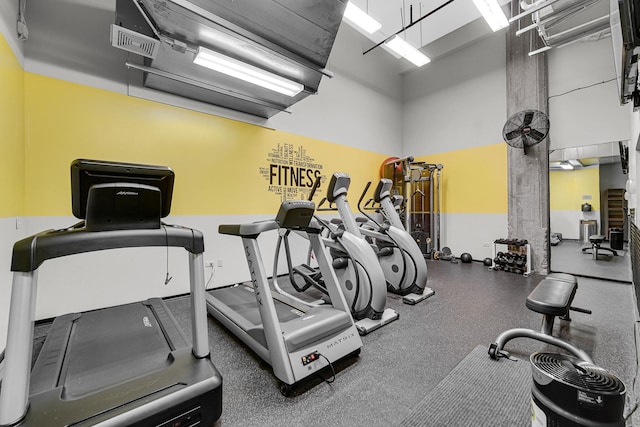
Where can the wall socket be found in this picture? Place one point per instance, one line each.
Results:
(486, 244)
(219, 262)
(208, 264)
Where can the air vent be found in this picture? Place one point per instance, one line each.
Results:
(131, 41)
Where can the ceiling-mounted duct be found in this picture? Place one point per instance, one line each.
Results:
(562, 22)
(291, 39)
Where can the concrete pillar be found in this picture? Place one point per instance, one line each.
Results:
(527, 88)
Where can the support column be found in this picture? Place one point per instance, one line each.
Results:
(528, 175)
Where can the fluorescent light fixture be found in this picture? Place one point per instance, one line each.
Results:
(358, 17)
(566, 165)
(410, 53)
(492, 13)
(240, 70)
(575, 163)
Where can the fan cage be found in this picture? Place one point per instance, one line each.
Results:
(526, 128)
(587, 377)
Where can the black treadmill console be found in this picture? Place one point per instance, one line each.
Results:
(295, 214)
(121, 206)
(339, 184)
(120, 196)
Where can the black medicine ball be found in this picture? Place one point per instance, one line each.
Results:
(487, 262)
(466, 258)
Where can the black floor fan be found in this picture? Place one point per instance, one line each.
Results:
(525, 129)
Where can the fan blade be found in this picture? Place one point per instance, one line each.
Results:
(513, 134)
(536, 135)
(528, 117)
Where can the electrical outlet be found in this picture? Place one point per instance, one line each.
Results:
(485, 245)
(219, 262)
(208, 264)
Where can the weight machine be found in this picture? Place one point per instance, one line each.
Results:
(418, 184)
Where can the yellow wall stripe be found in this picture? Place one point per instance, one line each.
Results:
(222, 166)
(12, 129)
(568, 188)
(473, 180)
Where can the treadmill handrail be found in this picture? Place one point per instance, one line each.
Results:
(248, 229)
(31, 252)
(252, 230)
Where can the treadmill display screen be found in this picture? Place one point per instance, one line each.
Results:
(88, 173)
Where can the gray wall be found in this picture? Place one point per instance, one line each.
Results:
(586, 116)
(456, 102)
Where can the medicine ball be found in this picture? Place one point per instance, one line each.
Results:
(488, 262)
(466, 258)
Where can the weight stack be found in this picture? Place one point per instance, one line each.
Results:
(569, 392)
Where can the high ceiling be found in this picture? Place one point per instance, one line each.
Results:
(74, 34)
(397, 14)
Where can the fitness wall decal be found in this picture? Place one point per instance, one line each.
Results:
(291, 171)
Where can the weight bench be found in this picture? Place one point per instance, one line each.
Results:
(596, 240)
(551, 297)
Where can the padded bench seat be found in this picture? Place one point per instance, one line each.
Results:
(552, 297)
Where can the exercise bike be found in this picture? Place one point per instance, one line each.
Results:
(354, 261)
(402, 262)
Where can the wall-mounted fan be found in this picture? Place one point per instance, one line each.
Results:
(525, 129)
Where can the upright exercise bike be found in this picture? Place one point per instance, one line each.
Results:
(354, 261)
(404, 266)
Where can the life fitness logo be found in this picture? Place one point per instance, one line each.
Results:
(290, 171)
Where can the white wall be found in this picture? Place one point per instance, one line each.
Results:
(587, 116)
(472, 232)
(359, 107)
(458, 101)
(568, 222)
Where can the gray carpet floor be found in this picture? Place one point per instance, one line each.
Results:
(468, 395)
(403, 362)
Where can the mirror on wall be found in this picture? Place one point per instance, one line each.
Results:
(587, 199)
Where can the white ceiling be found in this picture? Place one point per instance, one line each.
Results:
(396, 14)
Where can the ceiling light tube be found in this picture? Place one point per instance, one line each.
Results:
(360, 18)
(566, 165)
(240, 70)
(492, 13)
(410, 53)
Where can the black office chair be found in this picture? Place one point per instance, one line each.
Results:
(596, 240)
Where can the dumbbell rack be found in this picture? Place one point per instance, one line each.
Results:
(516, 249)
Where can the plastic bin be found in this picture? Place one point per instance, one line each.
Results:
(588, 227)
(616, 236)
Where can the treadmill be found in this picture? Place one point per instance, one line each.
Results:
(126, 365)
(296, 339)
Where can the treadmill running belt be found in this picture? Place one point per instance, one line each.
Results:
(103, 355)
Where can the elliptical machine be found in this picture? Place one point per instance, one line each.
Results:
(354, 261)
(402, 262)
